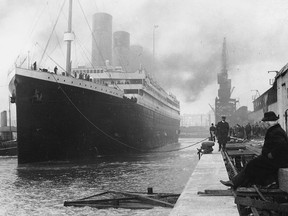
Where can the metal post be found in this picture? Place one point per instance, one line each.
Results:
(285, 115)
(10, 120)
(154, 28)
(29, 67)
(68, 57)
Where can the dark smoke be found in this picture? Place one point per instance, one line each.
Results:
(172, 70)
(255, 33)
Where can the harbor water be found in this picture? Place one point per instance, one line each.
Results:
(42, 189)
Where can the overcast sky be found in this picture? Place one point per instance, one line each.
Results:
(188, 41)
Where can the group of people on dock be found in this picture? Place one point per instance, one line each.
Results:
(223, 131)
(263, 170)
(256, 130)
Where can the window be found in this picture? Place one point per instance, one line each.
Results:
(130, 91)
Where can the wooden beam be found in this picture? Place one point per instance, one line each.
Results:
(148, 199)
(259, 204)
(254, 211)
(216, 193)
(125, 205)
(255, 149)
(241, 152)
(242, 191)
(235, 146)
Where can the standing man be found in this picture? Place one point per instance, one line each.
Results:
(248, 131)
(34, 66)
(222, 131)
(55, 69)
(212, 132)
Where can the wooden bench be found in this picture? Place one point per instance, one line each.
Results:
(283, 179)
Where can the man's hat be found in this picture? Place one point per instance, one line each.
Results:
(270, 116)
(223, 116)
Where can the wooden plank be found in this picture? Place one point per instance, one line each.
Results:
(254, 211)
(101, 201)
(216, 193)
(235, 146)
(126, 206)
(100, 194)
(259, 204)
(149, 200)
(256, 150)
(242, 191)
(240, 152)
(283, 179)
(259, 193)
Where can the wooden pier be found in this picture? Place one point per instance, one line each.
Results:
(204, 194)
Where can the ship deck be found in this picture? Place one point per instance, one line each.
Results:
(206, 176)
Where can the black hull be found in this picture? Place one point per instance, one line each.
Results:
(63, 122)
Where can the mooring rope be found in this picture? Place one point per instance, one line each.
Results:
(114, 139)
(59, 86)
(184, 147)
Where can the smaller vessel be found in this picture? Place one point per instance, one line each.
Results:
(8, 145)
(8, 148)
(127, 200)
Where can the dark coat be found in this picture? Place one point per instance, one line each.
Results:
(222, 131)
(212, 130)
(261, 168)
(248, 128)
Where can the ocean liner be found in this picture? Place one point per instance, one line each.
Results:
(81, 113)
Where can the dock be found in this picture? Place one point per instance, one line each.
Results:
(206, 176)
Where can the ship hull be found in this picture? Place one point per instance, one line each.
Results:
(63, 122)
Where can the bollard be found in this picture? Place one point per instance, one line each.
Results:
(150, 190)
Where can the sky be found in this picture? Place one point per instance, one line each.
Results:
(188, 41)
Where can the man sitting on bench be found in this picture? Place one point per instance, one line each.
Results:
(263, 169)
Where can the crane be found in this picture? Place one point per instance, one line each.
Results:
(232, 90)
(212, 108)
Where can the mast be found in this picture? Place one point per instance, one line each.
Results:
(69, 37)
(224, 104)
(10, 126)
(224, 57)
